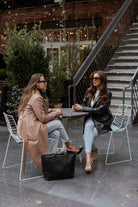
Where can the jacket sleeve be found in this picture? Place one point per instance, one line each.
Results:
(40, 112)
(99, 109)
(84, 103)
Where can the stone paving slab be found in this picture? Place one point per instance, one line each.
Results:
(106, 186)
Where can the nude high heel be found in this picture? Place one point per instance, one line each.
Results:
(88, 166)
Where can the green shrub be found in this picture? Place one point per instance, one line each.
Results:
(3, 74)
(16, 93)
(24, 55)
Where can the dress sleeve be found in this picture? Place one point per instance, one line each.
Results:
(39, 110)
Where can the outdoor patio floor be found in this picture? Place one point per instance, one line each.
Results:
(107, 186)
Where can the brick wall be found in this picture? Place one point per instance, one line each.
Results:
(84, 10)
(106, 10)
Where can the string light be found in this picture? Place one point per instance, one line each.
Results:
(82, 47)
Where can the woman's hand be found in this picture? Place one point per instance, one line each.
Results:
(76, 107)
(50, 110)
(58, 111)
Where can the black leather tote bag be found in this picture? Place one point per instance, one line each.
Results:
(58, 166)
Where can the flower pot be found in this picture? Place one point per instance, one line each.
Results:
(58, 105)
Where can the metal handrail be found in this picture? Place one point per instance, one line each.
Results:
(132, 99)
(129, 85)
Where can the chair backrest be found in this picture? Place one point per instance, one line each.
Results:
(122, 116)
(12, 127)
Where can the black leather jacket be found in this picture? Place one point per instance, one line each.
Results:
(100, 113)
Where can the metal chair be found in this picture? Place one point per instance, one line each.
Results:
(12, 128)
(120, 124)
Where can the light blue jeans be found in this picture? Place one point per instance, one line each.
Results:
(90, 132)
(56, 131)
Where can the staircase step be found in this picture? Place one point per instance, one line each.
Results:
(130, 38)
(122, 67)
(128, 47)
(133, 29)
(125, 64)
(126, 53)
(117, 88)
(118, 102)
(125, 59)
(120, 81)
(129, 41)
(133, 35)
(134, 24)
(116, 85)
(115, 102)
(120, 73)
(122, 78)
(120, 97)
(116, 93)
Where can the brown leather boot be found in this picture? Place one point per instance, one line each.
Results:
(94, 153)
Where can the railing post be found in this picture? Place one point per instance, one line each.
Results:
(132, 112)
(74, 94)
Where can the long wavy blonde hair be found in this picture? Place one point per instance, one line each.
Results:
(28, 91)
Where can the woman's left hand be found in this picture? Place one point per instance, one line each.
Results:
(58, 111)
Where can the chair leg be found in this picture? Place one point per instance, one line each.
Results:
(5, 157)
(129, 150)
(21, 169)
(15, 165)
(108, 148)
(113, 147)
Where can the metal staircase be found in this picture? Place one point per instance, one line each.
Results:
(123, 66)
(116, 53)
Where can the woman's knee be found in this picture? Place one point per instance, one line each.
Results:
(55, 134)
(58, 123)
(89, 124)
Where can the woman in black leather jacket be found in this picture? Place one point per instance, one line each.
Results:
(99, 119)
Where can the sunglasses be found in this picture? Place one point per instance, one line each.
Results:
(44, 81)
(96, 78)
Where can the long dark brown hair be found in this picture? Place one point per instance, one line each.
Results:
(103, 87)
(28, 91)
